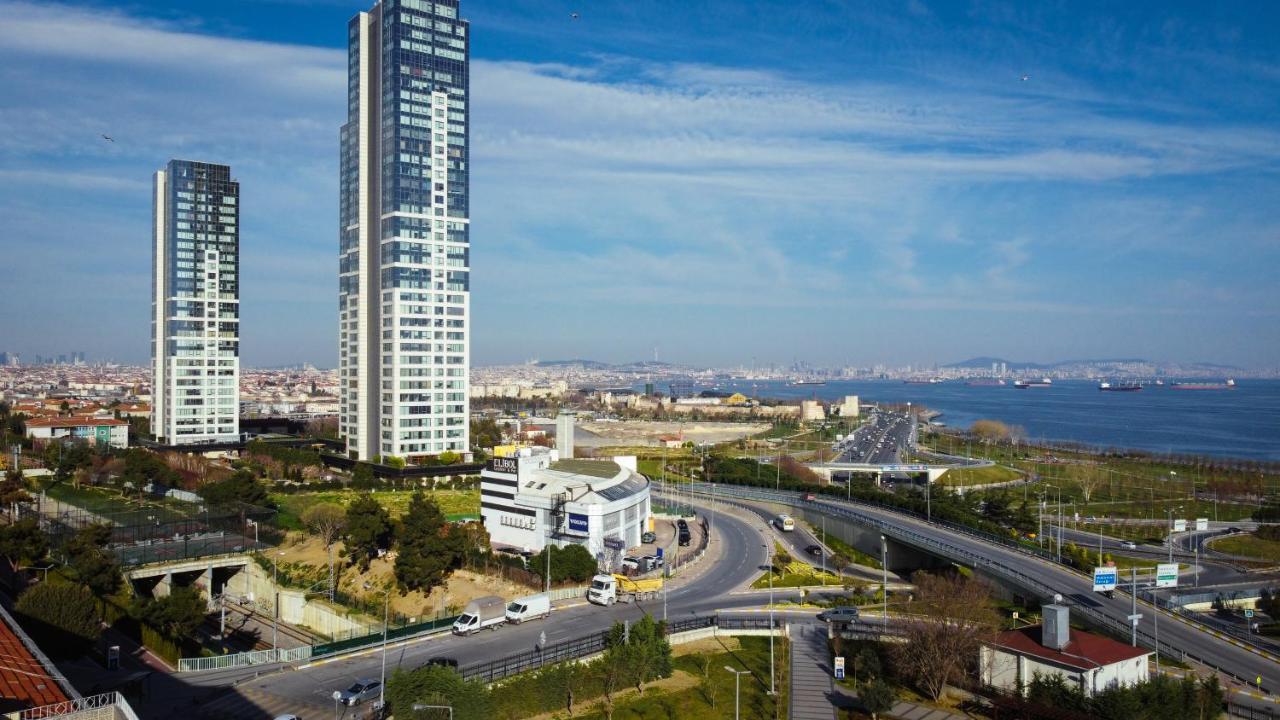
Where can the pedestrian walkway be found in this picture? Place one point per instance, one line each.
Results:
(811, 684)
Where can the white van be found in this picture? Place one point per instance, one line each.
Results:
(784, 523)
(529, 608)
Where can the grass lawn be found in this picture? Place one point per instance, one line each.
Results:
(798, 574)
(712, 697)
(845, 549)
(122, 510)
(964, 477)
(1248, 546)
(455, 504)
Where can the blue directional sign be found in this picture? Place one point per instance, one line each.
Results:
(1104, 578)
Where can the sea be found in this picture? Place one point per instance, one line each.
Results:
(1239, 423)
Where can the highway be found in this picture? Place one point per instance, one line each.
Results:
(879, 441)
(1041, 577)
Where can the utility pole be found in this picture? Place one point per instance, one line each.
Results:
(884, 565)
(1133, 615)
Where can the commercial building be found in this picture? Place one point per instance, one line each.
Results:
(404, 252)
(1088, 661)
(849, 408)
(93, 430)
(535, 498)
(195, 304)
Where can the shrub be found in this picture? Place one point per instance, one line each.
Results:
(63, 618)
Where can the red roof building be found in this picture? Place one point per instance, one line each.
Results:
(27, 678)
(1092, 662)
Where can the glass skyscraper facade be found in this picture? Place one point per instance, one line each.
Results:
(404, 249)
(195, 305)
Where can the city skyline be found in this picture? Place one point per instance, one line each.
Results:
(911, 198)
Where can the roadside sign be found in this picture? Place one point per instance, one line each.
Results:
(1104, 578)
(1167, 575)
(1135, 618)
(1248, 613)
(839, 667)
(1202, 524)
(1179, 525)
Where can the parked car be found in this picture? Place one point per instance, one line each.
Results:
(630, 564)
(684, 537)
(839, 614)
(649, 537)
(654, 560)
(529, 607)
(359, 691)
(682, 524)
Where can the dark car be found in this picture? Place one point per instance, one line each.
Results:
(443, 662)
(648, 537)
(682, 524)
(684, 537)
(814, 550)
(839, 614)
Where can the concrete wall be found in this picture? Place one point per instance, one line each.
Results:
(314, 613)
(902, 558)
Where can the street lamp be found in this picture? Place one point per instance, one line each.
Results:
(382, 685)
(737, 678)
(772, 689)
(254, 523)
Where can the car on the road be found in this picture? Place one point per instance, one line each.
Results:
(682, 524)
(814, 550)
(286, 717)
(844, 613)
(649, 537)
(1129, 545)
(359, 691)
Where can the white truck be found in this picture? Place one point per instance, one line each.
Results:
(485, 612)
(608, 589)
(529, 607)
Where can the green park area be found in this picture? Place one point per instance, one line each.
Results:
(1249, 545)
(455, 504)
(968, 477)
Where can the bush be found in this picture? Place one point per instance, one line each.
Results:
(63, 618)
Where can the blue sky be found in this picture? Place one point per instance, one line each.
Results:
(830, 181)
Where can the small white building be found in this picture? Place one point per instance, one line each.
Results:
(93, 430)
(1091, 662)
(849, 408)
(535, 498)
(812, 411)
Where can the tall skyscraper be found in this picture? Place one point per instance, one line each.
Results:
(404, 265)
(195, 304)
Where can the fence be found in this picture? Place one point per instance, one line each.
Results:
(245, 659)
(108, 706)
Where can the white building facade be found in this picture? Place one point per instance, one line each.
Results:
(195, 304)
(404, 255)
(534, 498)
(95, 431)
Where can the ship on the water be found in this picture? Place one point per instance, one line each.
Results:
(800, 381)
(922, 381)
(985, 383)
(1041, 383)
(1228, 385)
(1119, 387)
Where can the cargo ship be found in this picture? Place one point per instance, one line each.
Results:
(798, 381)
(1119, 387)
(1024, 384)
(1228, 385)
(922, 381)
(985, 383)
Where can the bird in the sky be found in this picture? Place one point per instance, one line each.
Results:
(108, 138)
(575, 15)
(1025, 78)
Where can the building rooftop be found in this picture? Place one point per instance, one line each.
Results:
(74, 421)
(25, 681)
(593, 468)
(1086, 651)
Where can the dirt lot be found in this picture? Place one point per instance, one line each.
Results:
(461, 588)
(646, 433)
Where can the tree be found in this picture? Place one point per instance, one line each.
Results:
(429, 551)
(866, 662)
(91, 564)
(177, 614)
(66, 617)
(781, 561)
(572, 563)
(989, 430)
(23, 542)
(368, 529)
(449, 457)
(1089, 481)
(485, 432)
(13, 490)
(326, 521)
(877, 697)
(954, 619)
(437, 685)
(241, 487)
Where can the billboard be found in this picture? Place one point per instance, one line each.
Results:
(1202, 524)
(578, 523)
(1167, 575)
(839, 667)
(1104, 578)
(1179, 525)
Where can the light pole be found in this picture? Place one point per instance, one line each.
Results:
(737, 677)
(772, 689)
(254, 523)
(382, 684)
(884, 588)
(275, 604)
(1170, 512)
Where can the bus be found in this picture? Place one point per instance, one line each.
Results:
(785, 523)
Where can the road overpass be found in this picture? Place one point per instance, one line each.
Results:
(1035, 573)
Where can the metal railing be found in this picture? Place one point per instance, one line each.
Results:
(107, 706)
(245, 659)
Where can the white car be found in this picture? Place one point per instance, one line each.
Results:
(1129, 545)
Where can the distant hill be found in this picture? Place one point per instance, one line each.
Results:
(985, 362)
(592, 364)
